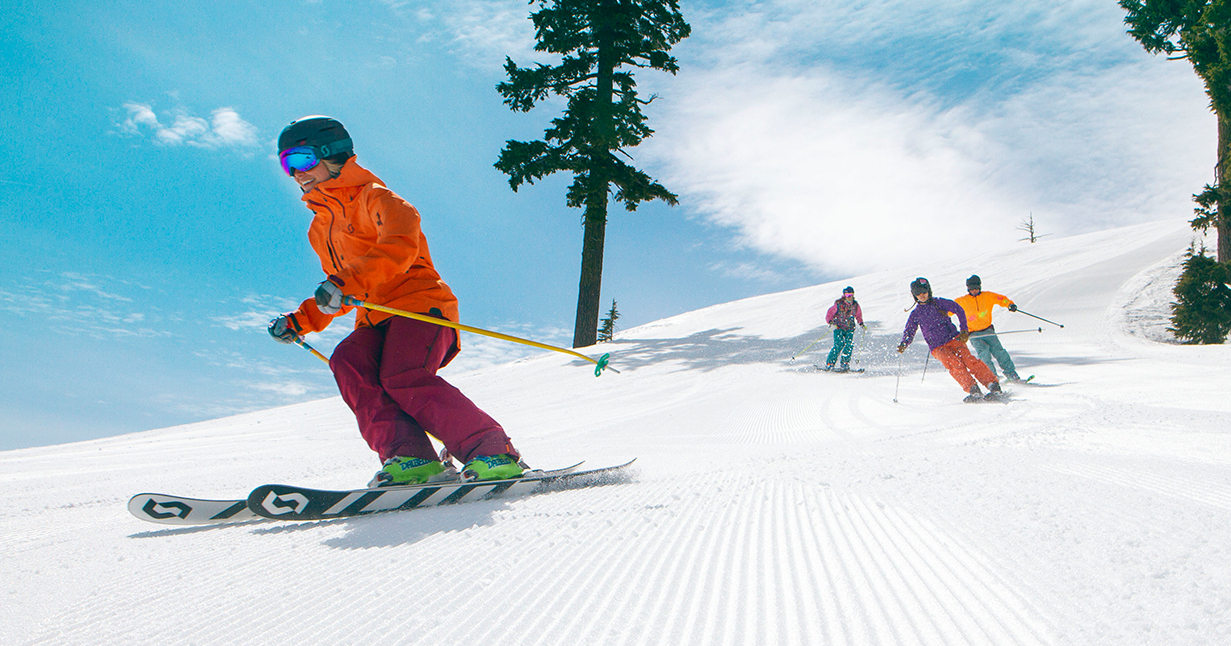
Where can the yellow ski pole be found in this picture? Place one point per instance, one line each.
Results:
(303, 344)
(600, 364)
(801, 352)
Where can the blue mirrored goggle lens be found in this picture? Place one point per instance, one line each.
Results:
(298, 159)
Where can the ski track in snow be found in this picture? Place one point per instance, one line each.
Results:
(1168, 484)
(770, 503)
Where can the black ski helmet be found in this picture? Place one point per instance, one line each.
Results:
(326, 136)
(974, 282)
(920, 286)
(848, 290)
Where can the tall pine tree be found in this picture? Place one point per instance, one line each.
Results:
(599, 42)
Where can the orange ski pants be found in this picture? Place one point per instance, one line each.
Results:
(963, 364)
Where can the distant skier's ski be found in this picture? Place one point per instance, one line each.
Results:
(284, 502)
(1001, 397)
(177, 510)
(837, 370)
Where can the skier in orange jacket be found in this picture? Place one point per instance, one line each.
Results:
(372, 248)
(978, 307)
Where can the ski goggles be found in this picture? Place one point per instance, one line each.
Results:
(299, 158)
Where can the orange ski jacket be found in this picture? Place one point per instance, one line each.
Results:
(370, 243)
(979, 308)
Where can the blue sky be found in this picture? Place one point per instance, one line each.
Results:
(150, 235)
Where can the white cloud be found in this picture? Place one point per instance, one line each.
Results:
(480, 34)
(486, 32)
(231, 130)
(139, 115)
(91, 305)
(849, 166)
(225, 129)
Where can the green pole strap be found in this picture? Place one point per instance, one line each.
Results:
(600, 364)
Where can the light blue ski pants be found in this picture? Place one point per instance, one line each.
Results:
(987, 345)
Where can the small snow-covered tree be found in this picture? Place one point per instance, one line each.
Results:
(607, 330)
(1202, 311)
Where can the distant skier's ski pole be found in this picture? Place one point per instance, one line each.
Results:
(925, 367)
(800, 353)
(863, 340)
(600, 364)
(897, 381)
(303, 344)
(977, 335)
(1021, 311)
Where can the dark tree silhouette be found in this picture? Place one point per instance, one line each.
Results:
(1200, 31)
(598, 41)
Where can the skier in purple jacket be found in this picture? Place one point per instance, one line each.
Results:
(945, 342)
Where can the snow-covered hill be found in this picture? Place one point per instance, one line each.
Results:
(773, 504)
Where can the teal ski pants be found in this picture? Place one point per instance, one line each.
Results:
(986, 346)
(844, 344)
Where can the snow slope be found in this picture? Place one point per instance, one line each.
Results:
(773, 504)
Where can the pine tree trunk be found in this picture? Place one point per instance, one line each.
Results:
(1223, 171)
(589, 292)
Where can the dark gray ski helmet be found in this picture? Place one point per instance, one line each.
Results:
(920, 286)
(325, 135)
(974, 282)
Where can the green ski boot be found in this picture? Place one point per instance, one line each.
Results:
(492, 467)
(406, 471)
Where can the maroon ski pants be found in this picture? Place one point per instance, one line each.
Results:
(387, 375)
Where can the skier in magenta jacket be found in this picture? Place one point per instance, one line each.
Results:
(842, 317)
(945, 342)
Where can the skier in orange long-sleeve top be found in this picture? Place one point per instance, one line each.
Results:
(372, 248)
(978, 307)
